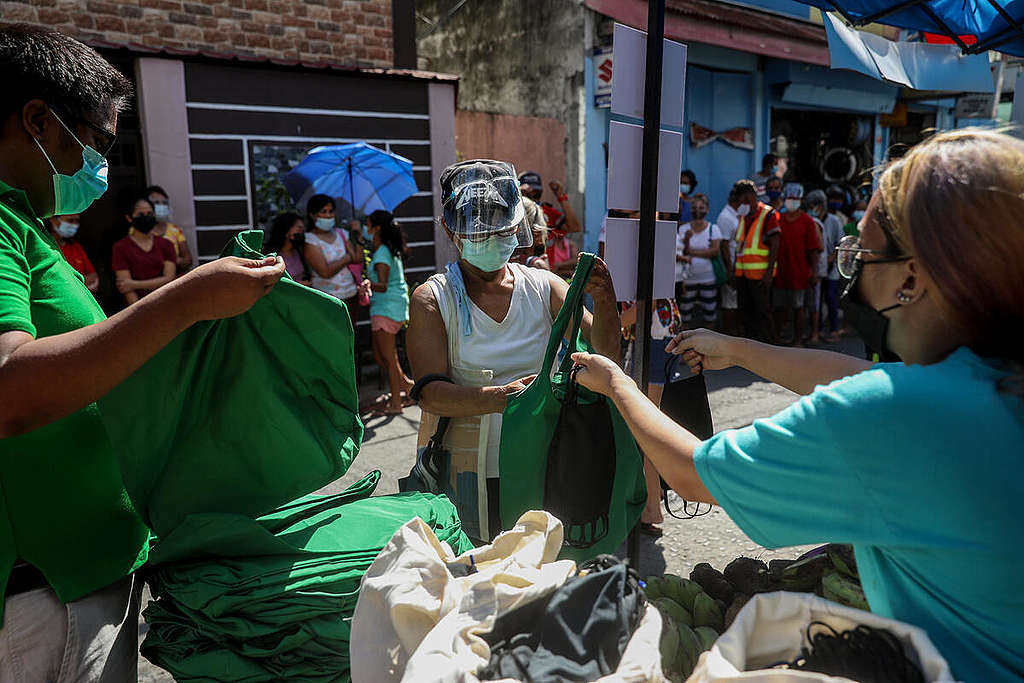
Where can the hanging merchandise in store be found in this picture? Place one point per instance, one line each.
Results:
(824, 148)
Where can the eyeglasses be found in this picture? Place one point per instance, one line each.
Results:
(105, 139)
(849, 253)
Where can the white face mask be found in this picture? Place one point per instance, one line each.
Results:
(66, 230)
(743, 210)
(792, 204)
(162, 211)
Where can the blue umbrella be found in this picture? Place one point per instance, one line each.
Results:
(366, 177)
(974, 25)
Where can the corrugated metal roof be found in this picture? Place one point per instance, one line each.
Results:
(411, 74)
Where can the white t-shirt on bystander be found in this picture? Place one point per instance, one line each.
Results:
(728, 223)
(700, 271)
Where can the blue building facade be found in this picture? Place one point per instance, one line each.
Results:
(826, 122)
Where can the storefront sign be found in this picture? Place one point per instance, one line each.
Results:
(737, 137)
(603, 77)
(974, 106)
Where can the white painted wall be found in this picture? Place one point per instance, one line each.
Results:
(164, 123)
(441, 99)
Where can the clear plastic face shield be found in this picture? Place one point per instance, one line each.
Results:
(482, 204)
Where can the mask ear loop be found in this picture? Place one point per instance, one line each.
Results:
(65, 127)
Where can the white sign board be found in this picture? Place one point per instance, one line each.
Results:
(622, 238)
(630, 48)
(974, 106)
(625, 144)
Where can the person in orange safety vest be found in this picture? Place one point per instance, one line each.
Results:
(757, 248)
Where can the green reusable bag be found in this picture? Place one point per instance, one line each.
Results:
(240, 415)
(718, 267)
(548, 419)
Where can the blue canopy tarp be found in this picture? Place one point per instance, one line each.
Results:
(975, 25)
(915, 65)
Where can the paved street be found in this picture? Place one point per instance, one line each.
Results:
(737, 398)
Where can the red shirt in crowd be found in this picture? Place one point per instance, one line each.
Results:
(76, 256)
(554, 217)
(143, 265)
(798, 239)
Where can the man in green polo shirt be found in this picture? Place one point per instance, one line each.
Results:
(69, 537)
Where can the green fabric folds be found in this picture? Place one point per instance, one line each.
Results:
(243, 600)
(218, 436)
(240, 415)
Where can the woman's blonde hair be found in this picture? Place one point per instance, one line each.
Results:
(956, 203)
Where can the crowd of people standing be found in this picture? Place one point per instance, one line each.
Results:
(765, 266)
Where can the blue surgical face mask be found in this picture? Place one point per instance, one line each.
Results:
(858, 215)
(75, 193)
(684, 188)
(775, 169)
(490, 254)
(162, 211)
(366, 234)
(324, 224)
(66, 230)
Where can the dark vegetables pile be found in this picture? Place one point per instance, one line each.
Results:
(697, 610)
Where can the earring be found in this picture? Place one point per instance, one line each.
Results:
(903, 297)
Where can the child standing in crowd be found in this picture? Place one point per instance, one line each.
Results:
(158, 197)
(287, 239)
(142, 261)
(63, 229)
(815, 207)
(389, 302)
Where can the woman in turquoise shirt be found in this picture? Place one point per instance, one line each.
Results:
(389, 302)
(917, 464)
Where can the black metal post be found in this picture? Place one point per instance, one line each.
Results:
(648, 190)
(648, 209)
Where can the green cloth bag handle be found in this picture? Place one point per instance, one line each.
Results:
(572, 309)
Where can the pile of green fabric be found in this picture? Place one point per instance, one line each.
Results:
(271, 599)
(220, 438)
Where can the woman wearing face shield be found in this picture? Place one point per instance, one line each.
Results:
(916, 463)
(485, 322)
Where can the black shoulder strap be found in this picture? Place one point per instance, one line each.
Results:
(417, 388)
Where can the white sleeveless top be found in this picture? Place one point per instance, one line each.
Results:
(343, 285)
(498, 353)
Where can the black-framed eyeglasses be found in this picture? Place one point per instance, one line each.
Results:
(849, 253)
(105, 139)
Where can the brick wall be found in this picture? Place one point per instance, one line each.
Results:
(349, 32)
